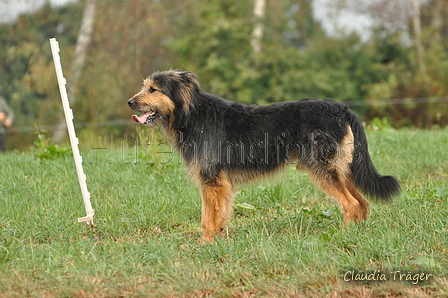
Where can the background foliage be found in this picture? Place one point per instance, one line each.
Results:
(298, 59)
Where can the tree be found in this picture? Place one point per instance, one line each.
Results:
(414, 30)
(84, 38)
(257, 33)
(418, 36)
(214, 38)
(27, 76)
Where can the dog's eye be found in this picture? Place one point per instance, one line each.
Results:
(151, 90)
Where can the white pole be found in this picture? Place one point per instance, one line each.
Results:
(72, 134)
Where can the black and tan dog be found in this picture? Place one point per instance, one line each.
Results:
(225, 143)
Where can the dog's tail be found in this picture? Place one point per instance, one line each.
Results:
(364, 174)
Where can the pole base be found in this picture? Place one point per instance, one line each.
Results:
(88, 219)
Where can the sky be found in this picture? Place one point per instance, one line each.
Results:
(333, 21)
(336, 21)
(10, 9)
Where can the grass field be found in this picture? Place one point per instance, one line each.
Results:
(285, 239)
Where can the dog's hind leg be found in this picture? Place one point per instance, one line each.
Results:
(334, 177)
(217, 199)
(331, 183)
(363, 202)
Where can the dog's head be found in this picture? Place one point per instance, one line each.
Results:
(163, 94)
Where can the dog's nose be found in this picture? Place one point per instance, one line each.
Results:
(131, 102)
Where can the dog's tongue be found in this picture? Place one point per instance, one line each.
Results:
(142, 118)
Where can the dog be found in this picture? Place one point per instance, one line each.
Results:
(224, 144)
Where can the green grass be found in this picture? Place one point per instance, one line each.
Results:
(285, 239)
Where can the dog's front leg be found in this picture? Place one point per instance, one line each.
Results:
(217, 198)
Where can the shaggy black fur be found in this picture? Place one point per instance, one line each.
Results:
(218, 135)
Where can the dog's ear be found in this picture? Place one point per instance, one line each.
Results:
(192, 77)
(188, 85)
(187, 77)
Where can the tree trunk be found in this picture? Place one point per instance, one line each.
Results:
(418, 36)
(257, 33)
(437, 19)
(84, 38)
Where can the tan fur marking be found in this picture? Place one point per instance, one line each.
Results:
(155, 100)
(363, 202)
(193, 173)
(345, 155)
(350, 207)
(217, 200)
(348, 145)
(185, 91)
(353, 204)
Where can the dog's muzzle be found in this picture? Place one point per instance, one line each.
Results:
(131, 103)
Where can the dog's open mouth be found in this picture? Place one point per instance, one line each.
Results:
(146, 118)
